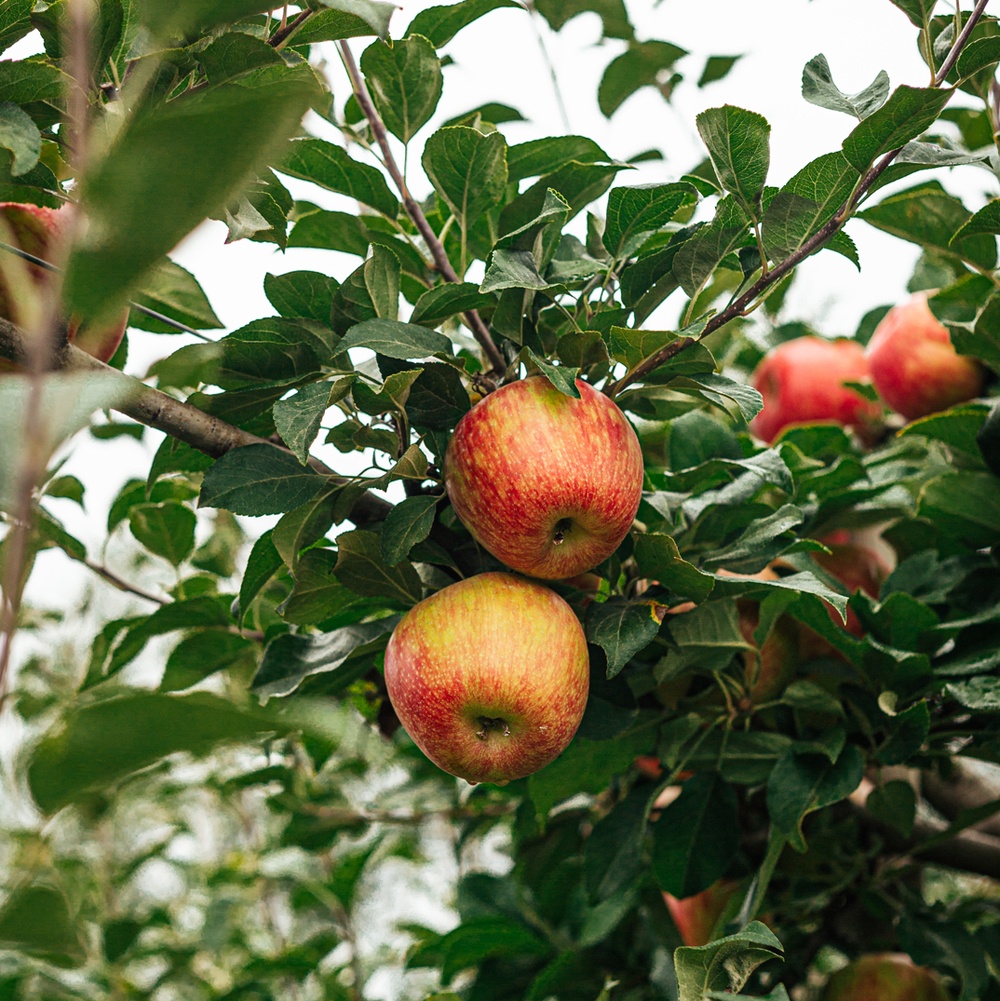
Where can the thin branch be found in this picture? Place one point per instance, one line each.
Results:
(288, 28)
(180, 420)
(479, 329)
(743, 304)
(121, 584)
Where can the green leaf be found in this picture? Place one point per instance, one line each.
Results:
(360, 567)
(750, 551)
(918, 11)
(394, 339)
(738, 144)
(346, 19)
(640, 65)
(696, 837)
(806, 203)
(28, 81)
(270, 352)
(658, 556)
(804, 782)
(297, 419)
(929, 216)
(438, 399)
(699, 256)
(234, 53)
(333, 168)
(475, 940)
(306, 294)
(20, 135)
(15, 21)
(719, 389)
(543, 156)
(635, 213)
(586, 766)
(187, 15)
(818, 88)
(979, 694)
(166, 529)
(613, 854)
(205, 653)
(956, 427)
(98, 745)
(408, 523)
(965, 504)
(441, 24)
(444, 301)
(562, 378)
(724, 965)
(35, 920)
(894, 804)
(623, 628)
(614, 16)
(174, 292)
(318, 597)
(382, 275)
(329, 230)
(979, 54)
(405, 81)
(908, 113)
(717, 68)
(292, 657)
(468, 169)
(512, 269)
(257, 480)
(141, 204)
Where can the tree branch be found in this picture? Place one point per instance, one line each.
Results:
(413, 209)
(741, 305)
(289, 28)
(180, 420)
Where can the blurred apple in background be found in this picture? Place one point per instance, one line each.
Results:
(697, 916)
(885, 976)
(802, 382)
(914, 366)
(37, 230)
(549, 484)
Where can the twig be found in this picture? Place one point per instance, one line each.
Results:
(741, 306)
(180, 420)
(123, 585)
(288, 28)
(413, 209)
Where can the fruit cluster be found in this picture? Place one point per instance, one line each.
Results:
(910, 361)
(490, 676)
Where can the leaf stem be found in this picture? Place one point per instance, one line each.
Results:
(743, 305)
(479, 329)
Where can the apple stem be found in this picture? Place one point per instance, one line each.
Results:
(562, 530)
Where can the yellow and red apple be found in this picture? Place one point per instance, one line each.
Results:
(489, 676)
(547, 483)
(803, 381)
(915, 367)
(885, 976)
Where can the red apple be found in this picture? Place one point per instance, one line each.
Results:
(550, 485)
(769, 669)
(802, 382)
(857, 567)
(37, 230)
(697, 916)
(885, 976)
(914, 365)
(489, 676)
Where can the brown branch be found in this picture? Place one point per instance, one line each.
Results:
(742, 305)
(288, 28)
(180, 420)
(479, 329)
(118, 582)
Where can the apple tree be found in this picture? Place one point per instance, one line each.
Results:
(788, 757)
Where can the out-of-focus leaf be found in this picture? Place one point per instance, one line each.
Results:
(638, 66)
(36, 920)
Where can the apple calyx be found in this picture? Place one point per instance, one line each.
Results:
(489, 725)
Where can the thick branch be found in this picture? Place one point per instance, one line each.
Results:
(965, 790)
(741, 305)
(180, 420)
(413, 209)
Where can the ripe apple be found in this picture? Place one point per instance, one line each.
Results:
(768, 670)
(914, 365)
(37, 230)
(697, 916)
(857, 567)
(489, 676)
(885, 976)
(550, 485)
(802, 382)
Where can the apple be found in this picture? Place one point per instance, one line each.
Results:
(914, 366)
(489, 676)
(696, 916)
(802, 382)
(37, 230)
(549, 484)
(885, 976)
(769, 669)
(857, 567)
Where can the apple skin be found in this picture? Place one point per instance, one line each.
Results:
(914, 366)
(696, 916)
(884, 976)
(769, 670)
(550, 485)
(489, 676)
(858, 568)
(37, 230)
(802, 382)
